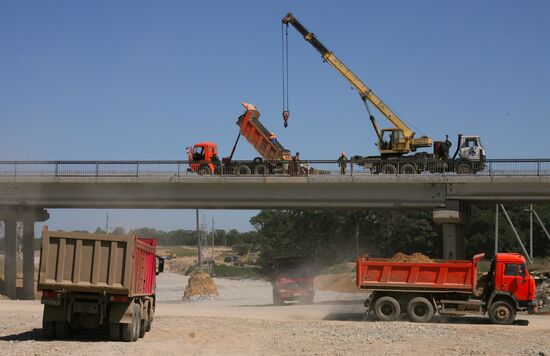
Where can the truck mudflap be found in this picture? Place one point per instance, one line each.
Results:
(121, 312)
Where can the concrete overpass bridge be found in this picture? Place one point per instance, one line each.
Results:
(28, 188)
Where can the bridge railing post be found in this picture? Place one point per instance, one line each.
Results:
(538, 167)
(179, 168)
(15, 169)
(97, 169)
(56, 168)
(137, 169)
(351, 169)
(491, 168)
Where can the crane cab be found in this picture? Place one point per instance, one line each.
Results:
(394, 142)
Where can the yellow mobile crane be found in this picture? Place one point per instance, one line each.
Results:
(399, 140)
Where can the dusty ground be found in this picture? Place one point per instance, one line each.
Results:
(243, 321)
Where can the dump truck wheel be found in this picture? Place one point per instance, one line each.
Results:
(48, 329)
(136, 314)
(260, 169)
(204, 170)
(130, 331)
(142, 328)
(463, 168)
(502, 312)
(114, 331)
(388, 169)
(408, 169)
(420, 310)
(148, 326)
(62, 330)
(243, 170)
(387, 309)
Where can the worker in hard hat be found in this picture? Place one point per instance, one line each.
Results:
(273, 138)
(342, 162)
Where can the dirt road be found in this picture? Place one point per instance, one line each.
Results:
(243, 321)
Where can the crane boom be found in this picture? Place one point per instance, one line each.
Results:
(401, 145)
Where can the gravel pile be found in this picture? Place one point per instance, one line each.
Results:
(543, 292)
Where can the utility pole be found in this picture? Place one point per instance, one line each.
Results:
(107, 223)
(213, 238)
(199, 259)
(531, 230)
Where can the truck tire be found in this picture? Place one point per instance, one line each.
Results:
(148, 326)
(243, 170)
(260, 169)
(142, 328)
(48, 329)
(408, 169)
(387, 309)
(420, 310)
(204, 170)
(130, 332)
(502, 312)
(62, 330)
(463, 168)
(388, 168)
(114, 331)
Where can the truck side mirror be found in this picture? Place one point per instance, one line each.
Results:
(160, 266)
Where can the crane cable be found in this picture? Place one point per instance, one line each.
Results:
(284, 37)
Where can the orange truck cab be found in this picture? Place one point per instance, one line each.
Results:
(204, 156)
(421, 289)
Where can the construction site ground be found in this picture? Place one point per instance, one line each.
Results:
(244, 321)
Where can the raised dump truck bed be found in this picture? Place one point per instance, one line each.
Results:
(258, 136)
(95, 281)
(116, 264)
(380, 273)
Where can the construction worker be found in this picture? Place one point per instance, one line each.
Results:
(273, 138)
(342, 162)
(295, 164)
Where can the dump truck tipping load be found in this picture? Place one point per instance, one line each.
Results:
(449, 288)
(258, 136)
(97, 280)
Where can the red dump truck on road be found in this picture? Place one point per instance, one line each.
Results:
(93, 281)
(292, 280)
(204, 158)
(448, 288)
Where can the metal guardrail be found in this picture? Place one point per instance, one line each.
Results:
(493, 167)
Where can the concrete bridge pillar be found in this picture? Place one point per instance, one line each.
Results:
(452, 219)
(27, 216)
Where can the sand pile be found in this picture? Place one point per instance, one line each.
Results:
(415, 257)
(543, 292)
(200, 284)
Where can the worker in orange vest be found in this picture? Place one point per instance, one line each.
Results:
(342, 162)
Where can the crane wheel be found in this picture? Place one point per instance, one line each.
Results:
(387, 309)
(243, 170)
(408, 169)
(463, 168)
(420, 310)
(204, 170)
(388, 169)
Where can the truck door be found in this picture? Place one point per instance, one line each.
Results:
(515, 281)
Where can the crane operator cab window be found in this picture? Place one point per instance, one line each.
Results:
(198, 153)
(390, 138)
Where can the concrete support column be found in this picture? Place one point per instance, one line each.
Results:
(10, 260)
(28, 260)
(452, 219)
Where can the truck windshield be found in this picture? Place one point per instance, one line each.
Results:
(198, 153)
(295, 273)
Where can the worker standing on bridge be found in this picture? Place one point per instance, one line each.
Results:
(342, 162)
(295, 168)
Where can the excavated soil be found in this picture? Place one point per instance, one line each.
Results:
(200, 284)
(415, 257)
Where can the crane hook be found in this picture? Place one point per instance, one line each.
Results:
(286, 114)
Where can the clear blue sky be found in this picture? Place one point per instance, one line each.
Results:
(145, 79)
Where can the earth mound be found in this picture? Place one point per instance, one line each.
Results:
(415, 257)
(200, 284)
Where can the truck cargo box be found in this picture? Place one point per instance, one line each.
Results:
(455, 276)
(258, 136)
(115, 264)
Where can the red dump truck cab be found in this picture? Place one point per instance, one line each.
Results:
(447, 287)
(97, 281)
(292, 280)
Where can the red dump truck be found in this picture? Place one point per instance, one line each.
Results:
(448, 288)
(93, 281)
(292, 280)
(204, 158)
